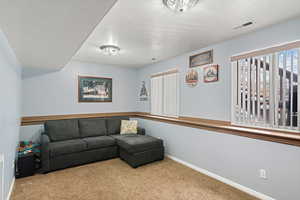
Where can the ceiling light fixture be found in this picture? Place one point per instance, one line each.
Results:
(180, 5)
(110, 50)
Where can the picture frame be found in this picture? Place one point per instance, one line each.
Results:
(201, 59)
(191, 77)
(211, 73)
(143, 92)
(93, 89)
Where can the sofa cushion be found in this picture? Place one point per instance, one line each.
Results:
(99, 142)
(117, 137)
(66, 147)
(137, 143)
(92, 127)
(59, 130)
(114, 125)
(129, 127)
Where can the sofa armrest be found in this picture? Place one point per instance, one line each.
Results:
(45, 153)
(141, 131)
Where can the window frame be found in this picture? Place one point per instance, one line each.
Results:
(163, 75)
(273, 52)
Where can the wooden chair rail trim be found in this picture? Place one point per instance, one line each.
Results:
(226, 127)
(206, 124)
(34, 120)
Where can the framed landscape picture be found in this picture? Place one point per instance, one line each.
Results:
(200, 59)
(94, 89)
(211, 73)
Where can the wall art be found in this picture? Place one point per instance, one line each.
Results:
(143, 92)
(211, 73)
(94, 89)
(201, 59)
(191, 78)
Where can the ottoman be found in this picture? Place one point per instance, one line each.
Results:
(138, 150)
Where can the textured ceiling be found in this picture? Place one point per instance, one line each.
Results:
(146, 29)
(45, 34)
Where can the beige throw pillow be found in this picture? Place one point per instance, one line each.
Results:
(129, 127)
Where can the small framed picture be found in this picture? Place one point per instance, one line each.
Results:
(201, 59)
(143, 92)
(191, 78)
(211, 73)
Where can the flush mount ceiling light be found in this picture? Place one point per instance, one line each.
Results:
(110, 50)
(180, 5)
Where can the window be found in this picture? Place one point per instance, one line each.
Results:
(164, 93)
(266, 88)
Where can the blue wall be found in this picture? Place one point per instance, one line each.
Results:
(10, 82)
(56, 93)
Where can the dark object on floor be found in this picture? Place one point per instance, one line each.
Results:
(26, 165)
(67, 143)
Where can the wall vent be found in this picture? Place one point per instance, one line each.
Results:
(243, 25)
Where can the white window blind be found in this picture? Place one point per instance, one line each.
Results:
(164, 94)
(266, 90)
(157, 95)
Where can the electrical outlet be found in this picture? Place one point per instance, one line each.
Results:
(263, 173)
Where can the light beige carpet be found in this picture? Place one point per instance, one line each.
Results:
(115, 180)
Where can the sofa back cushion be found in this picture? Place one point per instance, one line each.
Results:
(59, 130)
(114, 125)
(92, 127)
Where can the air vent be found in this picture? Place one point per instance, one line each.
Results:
(244, 25)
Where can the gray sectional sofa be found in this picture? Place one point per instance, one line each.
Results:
(67, 143)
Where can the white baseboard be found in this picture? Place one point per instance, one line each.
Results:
(224, 180)
(11, 189)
